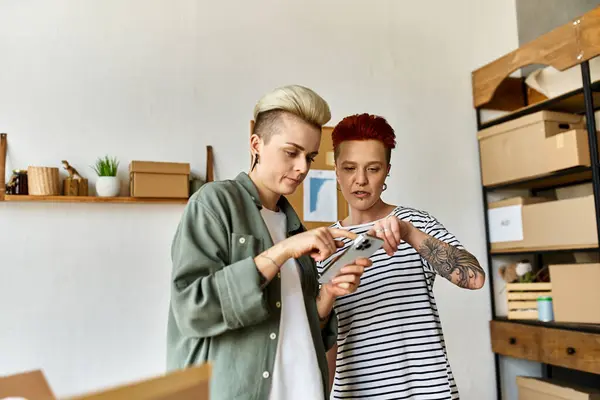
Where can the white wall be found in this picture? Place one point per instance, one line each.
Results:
(86, 299)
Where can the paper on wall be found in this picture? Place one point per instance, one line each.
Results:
(506, 224)
(320, 196)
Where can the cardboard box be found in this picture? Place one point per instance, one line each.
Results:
(187, 384)
(159, 179)
(546, 389)
(532, 146)
(575, 292)
(523, 223)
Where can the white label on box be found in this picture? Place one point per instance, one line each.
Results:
(506, 224)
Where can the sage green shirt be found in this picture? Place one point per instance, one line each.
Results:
(218, 312)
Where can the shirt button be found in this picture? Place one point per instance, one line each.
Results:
(279, 274)
(242, 240)
(272, 336)
(278, 305)
(266, 374)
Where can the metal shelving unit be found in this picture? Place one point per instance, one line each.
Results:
(567, 46)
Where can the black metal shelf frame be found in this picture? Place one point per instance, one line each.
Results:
(589, 108)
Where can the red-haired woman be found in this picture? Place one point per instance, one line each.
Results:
(390, 342)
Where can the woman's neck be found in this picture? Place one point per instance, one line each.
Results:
(377, 211)
(268, 198)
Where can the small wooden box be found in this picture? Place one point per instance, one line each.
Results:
(522, 298)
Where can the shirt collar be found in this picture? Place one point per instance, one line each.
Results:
(293, 222)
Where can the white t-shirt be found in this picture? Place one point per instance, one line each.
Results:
(390, 340)
(296, 374)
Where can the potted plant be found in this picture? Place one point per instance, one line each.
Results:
(108, 184)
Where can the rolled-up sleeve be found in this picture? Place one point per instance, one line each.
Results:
(330, 331)
(210, 296)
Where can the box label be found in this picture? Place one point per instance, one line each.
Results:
(506, 224)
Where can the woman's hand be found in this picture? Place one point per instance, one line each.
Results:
(345, 282)
(393, 231)
(319, 243)
(348, 279)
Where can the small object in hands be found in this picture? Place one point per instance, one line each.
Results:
(545, 310)
(364, 246)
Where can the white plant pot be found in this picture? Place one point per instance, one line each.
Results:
(108, 186)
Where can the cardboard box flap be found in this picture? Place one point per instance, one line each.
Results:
(159, 167)
(518, 201)
(576, 120)
(31, 385)
(557, 389)
(186, 384)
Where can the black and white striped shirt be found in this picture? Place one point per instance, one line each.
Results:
(390, 341)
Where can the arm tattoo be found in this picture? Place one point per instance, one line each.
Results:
(457, 265)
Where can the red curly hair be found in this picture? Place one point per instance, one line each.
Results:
(364, 127)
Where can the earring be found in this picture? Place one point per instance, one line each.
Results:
(384, 187)
(255, 161)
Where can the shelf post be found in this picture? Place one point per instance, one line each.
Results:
(490, 279)
(3, 145)
(592, 138)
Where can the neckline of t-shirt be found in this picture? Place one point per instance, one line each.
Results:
(338, 224)
(271, 212)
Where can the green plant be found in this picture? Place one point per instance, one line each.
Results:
(106, 166)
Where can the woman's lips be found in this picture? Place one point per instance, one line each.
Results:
(361, 194)
(292, 180)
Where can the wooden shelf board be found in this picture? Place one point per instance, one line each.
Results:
(571, 176)
(93, 199)
(587, 247)
(589, 328)
(571, 102)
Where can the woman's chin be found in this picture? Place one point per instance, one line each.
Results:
(361, 205)
(287, 188)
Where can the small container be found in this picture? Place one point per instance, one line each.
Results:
(545, 310)
(18, 183)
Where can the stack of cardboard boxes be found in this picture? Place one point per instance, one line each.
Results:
(554, 147)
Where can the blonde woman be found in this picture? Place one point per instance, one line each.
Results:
(245, 295)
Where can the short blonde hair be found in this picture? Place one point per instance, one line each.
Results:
(294, 99)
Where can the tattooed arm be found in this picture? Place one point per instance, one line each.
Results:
(457, 265)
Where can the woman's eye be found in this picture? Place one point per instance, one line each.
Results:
(374, 170)
(349, 169)
(290, 154)
(310, 159)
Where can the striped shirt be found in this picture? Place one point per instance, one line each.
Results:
(390, 340)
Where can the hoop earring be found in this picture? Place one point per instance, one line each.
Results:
(384, 187)
(255, 162)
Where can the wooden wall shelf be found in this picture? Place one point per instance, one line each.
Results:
(93, 199)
